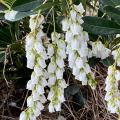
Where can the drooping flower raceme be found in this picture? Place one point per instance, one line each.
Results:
(77, 47)
(112, 82)
(112, 92)
(57, 54)
(36, 59)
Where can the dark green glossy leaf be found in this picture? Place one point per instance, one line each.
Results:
(46, 6)
(27, 5)
(108, 61)
(113, 3)
(93, 61)
(100, 26)
(79, 99)
(74, 90)
(71, 90)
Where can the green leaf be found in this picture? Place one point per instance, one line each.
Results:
(21, 15)
(93, 61)
(108, 61)
(27, 6)
(46, 6)
(71, 90)
(79, 99)
(113, 3)
(100, 26)
(113, 13)
(74, 90)
(22, 2)
(30, 8)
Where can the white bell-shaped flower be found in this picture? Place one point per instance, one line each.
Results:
(30, 85)
(52, 68)
(52, 79)
(30, 102)
(50, 51)
(65, 24)
(51, 108)
(23, 116)
(76, 28)
(73, 15)
(59, 73)
(117, 75)
(79, 8)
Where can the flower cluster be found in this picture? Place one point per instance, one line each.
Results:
(77, 46)
(36, 59)
(57, 54)
(112, 82)
(112, 92)
(99, 50)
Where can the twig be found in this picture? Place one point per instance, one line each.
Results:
(4, 68)
(24, 100)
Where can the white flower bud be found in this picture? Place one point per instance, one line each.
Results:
(40, 89)
(51, 68)
(57, 107)
(69, 36)
(43, 99)
(79, 62)
(59, 73)
(65, 24)
(76, 28)
(23, 116)
(38, 47)
(30, 85)
(30, 102)
(10, 15)
(34, 78)
(73, 15)
(52, 79)
(51, 108)
(79, 8)
(117, 75)
(50, 51)
(38, 72)
(76, 70)
(35, 95)
(50, 95)
(75, 44)
(60, 62)
(41, 62)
